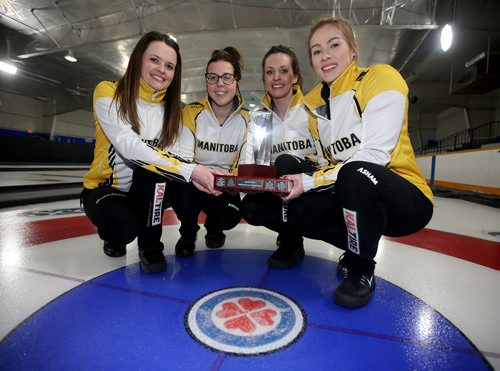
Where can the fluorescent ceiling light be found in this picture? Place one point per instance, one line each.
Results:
(70, 57)
(476, 59)
(446, 37)
(9, 68)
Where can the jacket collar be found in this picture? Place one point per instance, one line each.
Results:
(148, 94)
(237, 103)
(297, 98)
(341, 84)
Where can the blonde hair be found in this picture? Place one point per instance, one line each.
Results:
(342, 24)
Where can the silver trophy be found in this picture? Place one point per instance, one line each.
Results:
(261, 134)
(259, 176)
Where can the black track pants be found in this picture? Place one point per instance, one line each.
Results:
(222, 212)
(266, 209)
(369, 201)
(121, 217)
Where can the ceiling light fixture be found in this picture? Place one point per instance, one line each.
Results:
(476, 59)
(70, 57)
(9, 68)
(446, 37)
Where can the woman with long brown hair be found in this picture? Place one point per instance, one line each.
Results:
(294, 150)
(136, 118)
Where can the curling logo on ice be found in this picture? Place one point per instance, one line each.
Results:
(245, 321)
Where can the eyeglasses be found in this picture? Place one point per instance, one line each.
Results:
(213, 78)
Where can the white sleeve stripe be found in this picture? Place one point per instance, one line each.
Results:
(382, 121)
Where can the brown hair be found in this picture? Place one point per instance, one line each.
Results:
(293, 57)
(230, 55)
(127, 90)
(342, 24)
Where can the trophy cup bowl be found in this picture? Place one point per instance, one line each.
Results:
(259, 175)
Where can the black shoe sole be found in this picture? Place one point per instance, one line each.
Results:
(276, 263)
(184, 253)
(154, 268)
(113, 253)
(352, 302)
(155, 264)
(214, 244)
(183, 250)
(152, 260)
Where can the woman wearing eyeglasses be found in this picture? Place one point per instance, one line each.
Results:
(135, 117)
(213, 132)
(294, 150)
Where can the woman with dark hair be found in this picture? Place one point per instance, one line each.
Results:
(294, 150)
(135, 118)
(213, 133)
(372, 185)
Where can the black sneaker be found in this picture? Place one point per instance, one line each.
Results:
(115, 251)
(215, 240)
(152, 260)
(286, 256)
(184, 248)
(355, 291)
(343, 265)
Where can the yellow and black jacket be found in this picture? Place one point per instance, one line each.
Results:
(118, 148)
(294, 135)
(363, 116)
(205, 141)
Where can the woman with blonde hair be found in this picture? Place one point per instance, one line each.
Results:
(372, 185)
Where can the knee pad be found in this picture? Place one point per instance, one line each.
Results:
(118, 233)
(287, 164)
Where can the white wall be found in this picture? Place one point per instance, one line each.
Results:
(421, 128)
(475, 170)
(450, 122)
(23, 113)
(75, 124)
